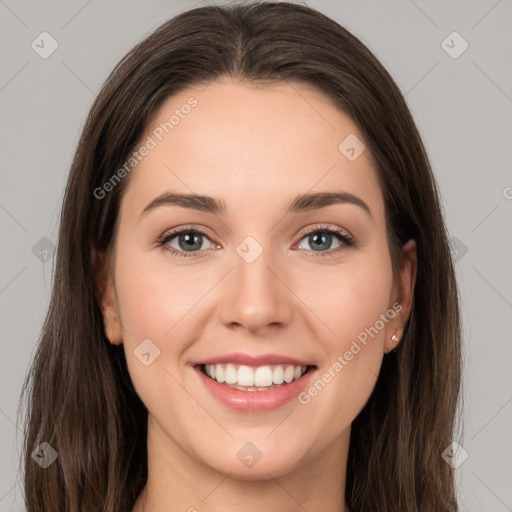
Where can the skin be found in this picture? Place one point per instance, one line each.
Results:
(256, 148)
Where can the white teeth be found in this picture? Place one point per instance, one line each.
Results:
(216, 373)
(278, 375)
(230, 375)
(245, 376)
(289, 373)
(261, 378)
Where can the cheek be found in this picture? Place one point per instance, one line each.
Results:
(363, 298)
(348, 298)
(353, 351)
(159, 302)
(150, 306)
(153, 296)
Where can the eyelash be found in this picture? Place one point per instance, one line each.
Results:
(346, 241)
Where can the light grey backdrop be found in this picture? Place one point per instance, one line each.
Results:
(461, 99)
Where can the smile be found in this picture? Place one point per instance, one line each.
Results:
(253, 389)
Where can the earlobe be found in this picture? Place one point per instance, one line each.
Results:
(105, 297)
(396, 341)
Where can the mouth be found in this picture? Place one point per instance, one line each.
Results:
(254, 389)
(260, 379)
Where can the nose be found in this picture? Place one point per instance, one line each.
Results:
(255, 295)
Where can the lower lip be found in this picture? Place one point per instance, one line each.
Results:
(254, 401)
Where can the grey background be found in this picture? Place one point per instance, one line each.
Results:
(463, 109)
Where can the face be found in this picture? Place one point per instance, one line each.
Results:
(307, 280)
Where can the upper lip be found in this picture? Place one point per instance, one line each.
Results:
(261, 360)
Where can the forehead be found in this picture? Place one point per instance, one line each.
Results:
(252, 145)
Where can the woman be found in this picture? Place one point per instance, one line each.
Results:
(254, 302)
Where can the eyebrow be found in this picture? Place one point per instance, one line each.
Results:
(304, 202)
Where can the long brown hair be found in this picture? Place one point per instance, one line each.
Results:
(80, 397)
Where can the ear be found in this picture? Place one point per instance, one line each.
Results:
(105, 296)
(403, 294)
